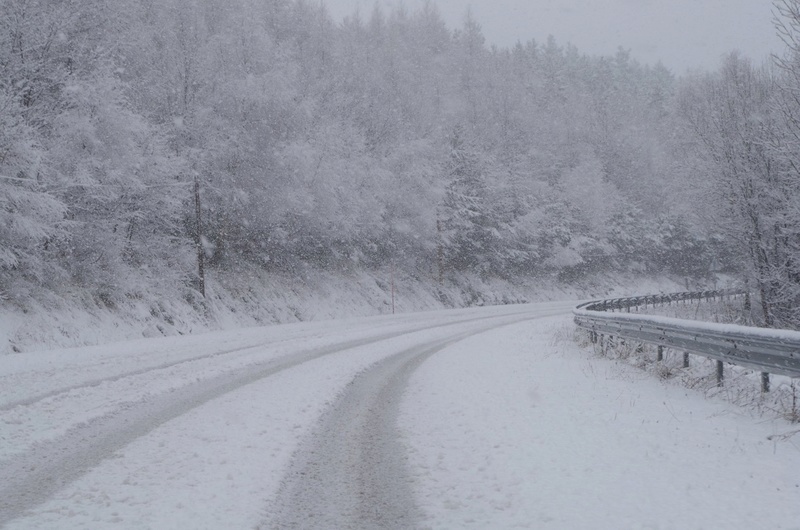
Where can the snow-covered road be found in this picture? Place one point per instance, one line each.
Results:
(467, 418)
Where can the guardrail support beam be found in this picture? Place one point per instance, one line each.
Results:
(660, 353)
(764, 382)
(686, 359)
(720, 373)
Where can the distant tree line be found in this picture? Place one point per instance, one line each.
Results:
(387, 138)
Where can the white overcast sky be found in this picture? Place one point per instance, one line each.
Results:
(680, 33)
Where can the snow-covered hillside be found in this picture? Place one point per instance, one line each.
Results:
(253, 297)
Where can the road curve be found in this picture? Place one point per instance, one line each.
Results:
(351, 472)
(32, 477)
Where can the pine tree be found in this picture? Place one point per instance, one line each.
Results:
(469, 229)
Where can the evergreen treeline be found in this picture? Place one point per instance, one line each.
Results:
(385, 139)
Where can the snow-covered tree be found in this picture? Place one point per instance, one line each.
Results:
(331, 145)
(470, 230)
(733, 114)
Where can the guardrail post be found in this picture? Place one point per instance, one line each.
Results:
(660, 354)
(686, 359)
(720, 372)
(764, 382)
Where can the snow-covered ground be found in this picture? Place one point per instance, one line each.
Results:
(505, 422)
(514, 430)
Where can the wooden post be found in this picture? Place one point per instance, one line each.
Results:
(201, 273)
(720, 372)
(764, 382)
(686, 359)
(660, 353)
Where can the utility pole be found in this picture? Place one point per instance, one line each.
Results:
(392, 277)
(392, 255)
(199, 238)
(439, 251)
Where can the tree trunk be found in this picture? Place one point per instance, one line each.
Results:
(199, 239)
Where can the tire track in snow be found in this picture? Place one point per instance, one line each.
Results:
(118, 377)
(351, 472)
(31, 478)
(96, 382)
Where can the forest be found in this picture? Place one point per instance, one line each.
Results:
(144, 143)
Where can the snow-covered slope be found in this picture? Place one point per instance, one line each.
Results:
(254, 298)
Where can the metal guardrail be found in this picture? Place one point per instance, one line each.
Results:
(765, 350)
(658, 299)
